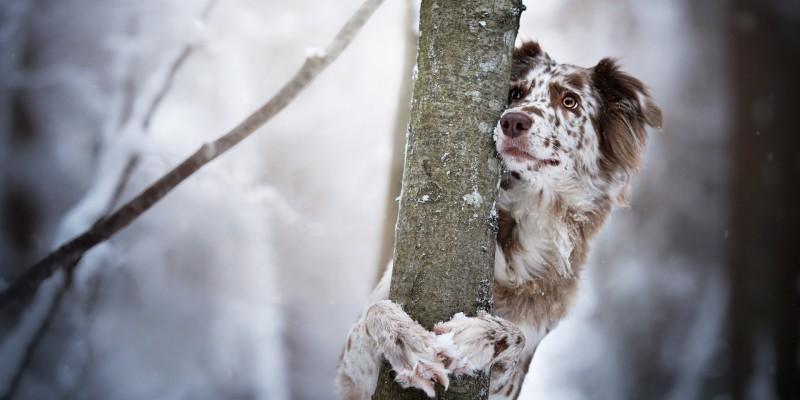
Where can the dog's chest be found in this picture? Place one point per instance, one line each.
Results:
(534, 280)
(533, 243)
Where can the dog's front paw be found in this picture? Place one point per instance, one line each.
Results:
(410, 349)
(424, 376)
(478, 343)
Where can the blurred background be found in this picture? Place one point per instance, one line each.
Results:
(242, 283)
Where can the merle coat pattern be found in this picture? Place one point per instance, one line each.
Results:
(570, 141)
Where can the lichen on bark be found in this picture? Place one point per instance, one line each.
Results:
(444, 248)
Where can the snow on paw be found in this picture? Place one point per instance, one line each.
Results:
(479, 342)
(449, 352)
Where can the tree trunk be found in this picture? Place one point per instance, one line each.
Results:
(398, 139)
(444, 250)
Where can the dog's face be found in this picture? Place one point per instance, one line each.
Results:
(566, 124)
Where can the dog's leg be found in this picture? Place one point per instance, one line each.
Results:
(482, 343)
(386, 331)
(507, 378)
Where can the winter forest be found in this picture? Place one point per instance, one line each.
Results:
(244, 281)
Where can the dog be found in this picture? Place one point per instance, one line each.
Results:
(570, 141)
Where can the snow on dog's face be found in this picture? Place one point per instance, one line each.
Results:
(568, 126)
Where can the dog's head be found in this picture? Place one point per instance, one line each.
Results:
(568, 126)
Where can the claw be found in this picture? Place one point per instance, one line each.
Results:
(424, 376)
(434, 373)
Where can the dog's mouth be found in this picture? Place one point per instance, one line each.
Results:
(520, 155)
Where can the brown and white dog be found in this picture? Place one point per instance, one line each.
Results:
(570, 142)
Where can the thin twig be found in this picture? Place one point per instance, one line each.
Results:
(174, 68)
(155, 103)
(173, 71)
(27, 284)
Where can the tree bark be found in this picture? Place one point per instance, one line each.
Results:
(444, 248)
(398, 140)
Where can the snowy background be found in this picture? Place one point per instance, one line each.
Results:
(243, 282)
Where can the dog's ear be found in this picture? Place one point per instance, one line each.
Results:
(524, 58)
(626, 111)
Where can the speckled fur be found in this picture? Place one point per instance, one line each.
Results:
(561, 180)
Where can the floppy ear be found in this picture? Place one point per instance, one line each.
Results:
(626, 111)
(524, 58)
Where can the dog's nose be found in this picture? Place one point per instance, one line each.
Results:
(515, 124)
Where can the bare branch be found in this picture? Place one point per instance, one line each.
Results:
(68, 253)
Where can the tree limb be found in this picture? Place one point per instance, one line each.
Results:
(65, 255)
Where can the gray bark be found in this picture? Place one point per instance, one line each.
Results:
(444, 249)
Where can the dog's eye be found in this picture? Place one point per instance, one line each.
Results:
(570, 102)
(515, 94)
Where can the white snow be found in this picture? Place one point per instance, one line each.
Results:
(488, 66)
(474, 199)
(314, 52)
(194, 295)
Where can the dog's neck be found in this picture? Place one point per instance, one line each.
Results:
(544, 228)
